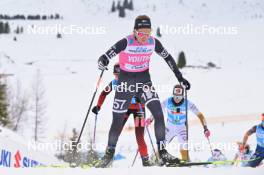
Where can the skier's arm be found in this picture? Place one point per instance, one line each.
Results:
(249, 133)
(110, 53)
(195, 110)
(103, 94)
(202, 119)
(160, 50)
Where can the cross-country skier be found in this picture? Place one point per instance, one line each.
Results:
(175, 108)
(258, 156)
(133, 109)
(135, 53)
(243, 155)
(217, 155)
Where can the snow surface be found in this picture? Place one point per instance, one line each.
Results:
(69, 65)
(153, 170)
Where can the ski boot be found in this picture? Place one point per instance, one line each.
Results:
(167, 159)
(107, 159)
(146, 162)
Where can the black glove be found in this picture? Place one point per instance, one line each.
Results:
(103, 62)
(96, 109)
(185, 83)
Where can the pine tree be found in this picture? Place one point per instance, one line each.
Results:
(1, 27)
(4, 118)
(125, 4)
(130, 5)
(122, 13)
(6, 28)
(158, 32)
(113, 9)
(118, 5)
(181, 60)
(69, 153)
(17, 30)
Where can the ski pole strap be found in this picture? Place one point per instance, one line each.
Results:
(99, 80)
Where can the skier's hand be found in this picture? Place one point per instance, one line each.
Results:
(241, 148)
(96, 109)
(185, 83)
(102, 63)
(207, 133)
(148, 121)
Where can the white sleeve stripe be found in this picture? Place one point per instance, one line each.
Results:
(154, 99)
(119, 111)
(107, 56)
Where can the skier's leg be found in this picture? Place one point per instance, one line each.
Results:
(182, 140)
(169, 133)
(150, 98)
(139, 132)
(256, 158)
(126, 116)
(120, 107)
(121, 103)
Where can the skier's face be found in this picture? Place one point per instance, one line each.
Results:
(142, 35)
(177, 99)
(177, 95)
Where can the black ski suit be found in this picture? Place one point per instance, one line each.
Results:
(145, 91)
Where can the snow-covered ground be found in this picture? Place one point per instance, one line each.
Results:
(69, 65)
(125, 171)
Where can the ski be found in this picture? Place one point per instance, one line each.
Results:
(187, 164)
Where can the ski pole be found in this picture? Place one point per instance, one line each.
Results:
(86, 117)
(95, 121)
(187, 126)
(135, 158)
(157, 159)
(210, 146)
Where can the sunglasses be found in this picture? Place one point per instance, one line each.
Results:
(141, 34)
(178, 97)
